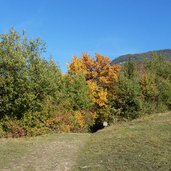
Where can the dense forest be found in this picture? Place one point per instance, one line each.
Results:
(37, 98)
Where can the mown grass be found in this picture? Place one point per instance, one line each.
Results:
(143, 144)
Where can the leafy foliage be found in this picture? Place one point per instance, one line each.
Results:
(26, 79)
(127, 93)
(36, 98)
(99, 75)
(33, 91)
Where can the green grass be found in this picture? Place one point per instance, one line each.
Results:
(143, 144)
(44, 153)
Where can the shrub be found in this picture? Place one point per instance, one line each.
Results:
(13, 128)
(2, 132)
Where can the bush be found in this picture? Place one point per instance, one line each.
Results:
(2, 133)
(13, 128)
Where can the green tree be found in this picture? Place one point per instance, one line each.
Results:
(160, 68)
(126, 99)
(76, 92)
(26, 79)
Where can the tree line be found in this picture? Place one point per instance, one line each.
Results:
(37, 98)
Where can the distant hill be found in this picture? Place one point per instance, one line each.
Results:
(141, 56)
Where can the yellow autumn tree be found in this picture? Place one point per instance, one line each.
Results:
(99, 75)
(99, 94)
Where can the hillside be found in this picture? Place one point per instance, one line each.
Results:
(141, 56)
(142, 144)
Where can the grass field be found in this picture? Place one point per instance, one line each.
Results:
(143, 144)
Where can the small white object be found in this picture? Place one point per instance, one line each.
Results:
(105, 124)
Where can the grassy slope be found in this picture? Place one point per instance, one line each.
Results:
(144, 144)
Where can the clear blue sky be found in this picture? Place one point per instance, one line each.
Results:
(109, 27)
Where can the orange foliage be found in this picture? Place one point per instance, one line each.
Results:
(99, 74)
(98, 70)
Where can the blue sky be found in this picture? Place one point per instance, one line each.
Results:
(109, 27)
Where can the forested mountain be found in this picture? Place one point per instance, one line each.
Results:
(141, 56)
